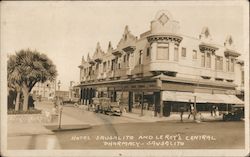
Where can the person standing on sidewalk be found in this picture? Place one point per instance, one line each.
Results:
(182, 109)
(191, 110)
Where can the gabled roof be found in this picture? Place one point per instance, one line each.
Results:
(98, 52)
(127, 39)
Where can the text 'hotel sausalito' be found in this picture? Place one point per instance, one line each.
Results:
(163, 70)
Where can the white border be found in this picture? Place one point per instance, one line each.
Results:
(153, 152)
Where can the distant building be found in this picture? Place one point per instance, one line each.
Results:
(239, 80)
(164, 70)
(62, 94)
(44, 90)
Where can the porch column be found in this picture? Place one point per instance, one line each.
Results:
(155, 112)
(130, 101)
(87, 97)
(82, 96)
(142, 103)
(161, 104)
(115, 96)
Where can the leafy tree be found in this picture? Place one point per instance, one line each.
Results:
(29, 67)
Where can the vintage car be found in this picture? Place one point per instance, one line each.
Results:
(114, 109)
(236, 113)
(104, 105)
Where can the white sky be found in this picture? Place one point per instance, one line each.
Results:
(66, 31)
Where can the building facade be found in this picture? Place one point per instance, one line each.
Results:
(44, 90)
(163, 70)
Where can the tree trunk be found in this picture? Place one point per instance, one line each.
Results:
(25, 97)
(17, 101)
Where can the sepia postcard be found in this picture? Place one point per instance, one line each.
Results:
(124, 78)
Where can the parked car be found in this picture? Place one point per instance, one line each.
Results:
(115, 110)
(104, 105)
(236, 113)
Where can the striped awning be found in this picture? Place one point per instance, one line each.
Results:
(200, 97)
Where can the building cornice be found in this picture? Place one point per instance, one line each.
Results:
(207, 47)
(233, 53)
(164, 38)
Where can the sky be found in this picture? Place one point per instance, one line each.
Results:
(68, 30)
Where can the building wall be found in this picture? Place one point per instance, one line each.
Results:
(147, 56)
(44, 90)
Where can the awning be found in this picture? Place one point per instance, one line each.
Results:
(229, 99)
(207, 98)
(200, 97)
(177, 96)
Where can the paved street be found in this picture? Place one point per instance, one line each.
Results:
(222, 134)
(114, 132)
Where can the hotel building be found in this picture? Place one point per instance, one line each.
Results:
(163, 70)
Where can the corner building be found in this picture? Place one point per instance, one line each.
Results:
(162, 70)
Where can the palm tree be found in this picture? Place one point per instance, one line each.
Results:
(31, 67)
(14, 79)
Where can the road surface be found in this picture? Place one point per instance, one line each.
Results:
(114, 132)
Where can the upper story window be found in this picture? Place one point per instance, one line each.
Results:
(208, 60)
(140, 56)
(113, 64)
(202, 60)
(232, 65)
(163, 52)
(176, 53)
(84, 72)
(227, 64)
(242, 77)
(90, 70)
(148, 51)
(97, 66)
(104, 66)
(128, 56)
(194, 54)
(108, 64)
(218, 63)
(183, 52)
(124, 58)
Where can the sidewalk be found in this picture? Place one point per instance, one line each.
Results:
(205, 117)
(32, 127)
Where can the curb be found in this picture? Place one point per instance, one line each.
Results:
(68, 127)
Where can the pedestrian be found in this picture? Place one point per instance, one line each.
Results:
(214, 110)
(191, 110)
(182, 109)
(31, 102)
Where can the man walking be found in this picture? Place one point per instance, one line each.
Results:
(182, 109)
